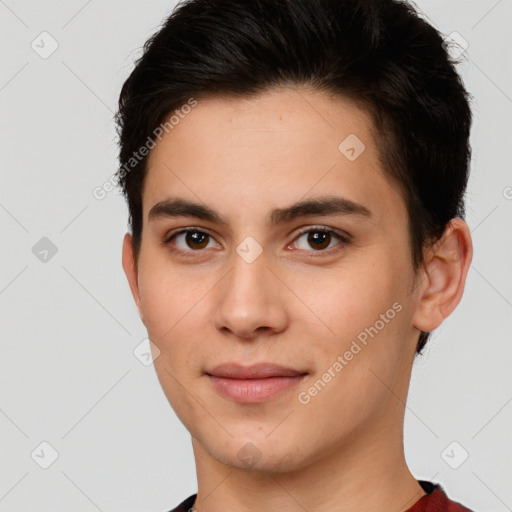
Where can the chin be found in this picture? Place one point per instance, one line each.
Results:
(257, 453)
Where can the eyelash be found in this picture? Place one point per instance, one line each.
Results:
(343, 238)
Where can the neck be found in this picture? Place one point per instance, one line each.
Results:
(359, 475)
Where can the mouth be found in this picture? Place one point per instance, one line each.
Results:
(253, 384)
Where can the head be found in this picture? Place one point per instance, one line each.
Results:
(249, 108)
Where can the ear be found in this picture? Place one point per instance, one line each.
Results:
(444, 276)
(131, 270)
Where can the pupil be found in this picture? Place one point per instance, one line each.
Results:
(194, 237)
(319, 237)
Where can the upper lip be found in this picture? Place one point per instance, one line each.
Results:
(255, 371)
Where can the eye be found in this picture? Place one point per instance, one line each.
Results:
(321, 238)
(191, 238)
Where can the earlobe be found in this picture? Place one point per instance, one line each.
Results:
(131, 271)
(444, 276)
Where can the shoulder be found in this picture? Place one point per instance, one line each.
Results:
(186, 505)
(436, 500)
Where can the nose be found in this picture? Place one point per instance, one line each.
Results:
(251, 300)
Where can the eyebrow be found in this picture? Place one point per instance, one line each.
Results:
(326, 205)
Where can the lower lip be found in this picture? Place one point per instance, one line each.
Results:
(253, 391)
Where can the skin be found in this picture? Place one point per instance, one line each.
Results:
(294, 305)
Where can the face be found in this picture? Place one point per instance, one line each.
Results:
(244, 278)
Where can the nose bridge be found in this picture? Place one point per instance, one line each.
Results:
(250, 265)
(249, 299)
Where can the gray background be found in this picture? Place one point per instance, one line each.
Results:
(69, 326)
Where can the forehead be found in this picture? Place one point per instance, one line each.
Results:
(253, 154)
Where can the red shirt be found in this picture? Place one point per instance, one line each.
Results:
(434, 501)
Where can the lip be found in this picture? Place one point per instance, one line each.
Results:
(255, 371)
(253, 384)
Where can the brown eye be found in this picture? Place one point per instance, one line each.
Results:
(196, 239)
(189, 240)
(320, 239)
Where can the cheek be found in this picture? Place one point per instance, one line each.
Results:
(171, 320)
(161, 284)
(348, 299)
(172, 308)
(173, 303)
(356, 368)
(166, 300)
(360, 315)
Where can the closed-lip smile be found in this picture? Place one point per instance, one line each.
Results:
(255, 383)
